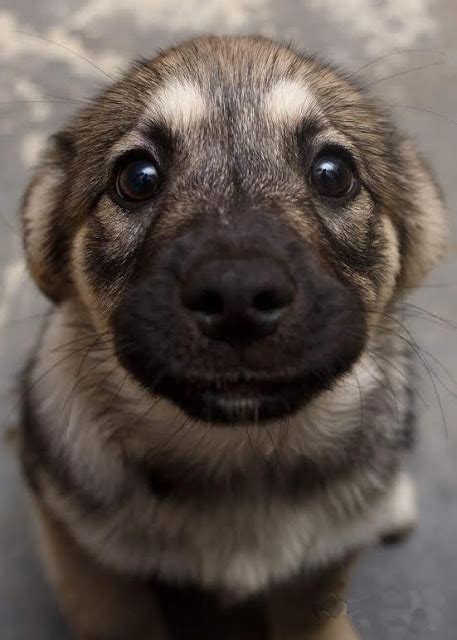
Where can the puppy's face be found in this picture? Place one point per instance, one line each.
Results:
(237, 218)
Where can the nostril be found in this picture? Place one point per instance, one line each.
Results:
(271, 301)
(208, 302)
(267, 300)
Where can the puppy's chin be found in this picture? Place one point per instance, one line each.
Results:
(225, 402)
(241, 398)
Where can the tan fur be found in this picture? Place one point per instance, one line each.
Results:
(291, 101)
(181, 104)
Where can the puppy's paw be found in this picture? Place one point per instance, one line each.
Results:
(401, 513)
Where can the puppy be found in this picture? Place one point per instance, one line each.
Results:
(218, 408)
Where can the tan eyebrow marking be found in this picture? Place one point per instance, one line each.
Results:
(179, 104)
(290, 101)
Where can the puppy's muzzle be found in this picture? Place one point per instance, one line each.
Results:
(238, 325)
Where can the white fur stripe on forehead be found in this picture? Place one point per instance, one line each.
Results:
(290, 101)
(179, 104)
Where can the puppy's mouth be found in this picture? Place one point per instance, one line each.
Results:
(228, 402)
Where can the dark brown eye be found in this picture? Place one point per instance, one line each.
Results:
(332, 176)
(137, 179)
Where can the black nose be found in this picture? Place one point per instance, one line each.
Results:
(238, 300)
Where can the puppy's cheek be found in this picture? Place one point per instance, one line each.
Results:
(377, 284)
(391, 262)
(100, 291)
(389, 268)
(372, 272)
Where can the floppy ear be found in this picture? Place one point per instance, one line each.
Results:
(424, 219)
(45, 232)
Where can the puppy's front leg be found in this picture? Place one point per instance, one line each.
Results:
(314, 609)
(98, 605)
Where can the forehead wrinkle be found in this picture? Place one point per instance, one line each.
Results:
(179, 104)
(291, 101)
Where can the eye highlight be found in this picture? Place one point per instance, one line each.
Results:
(332, 175)
(137, 178)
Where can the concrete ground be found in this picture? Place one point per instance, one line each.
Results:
(404, 593)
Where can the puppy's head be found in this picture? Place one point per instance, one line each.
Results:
(237, 216)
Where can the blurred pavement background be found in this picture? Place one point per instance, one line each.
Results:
(410, 47)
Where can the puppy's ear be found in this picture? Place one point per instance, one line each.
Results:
(44, 223)
(423, 220)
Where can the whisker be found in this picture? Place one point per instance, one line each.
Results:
(13, 229)
(444, 369)
(101, 385)
(283, 434)
(403, 73)
(87, 101)
(77, 340)
(201, 439)
(435, 316)
(80, 369)
(274, 445)
(139, 419)
(157, 450)
(402, 374)
(424, 110)
(65, 48)
(431, 373)
(45, 101)
(362, 405)
(56, 364)
(391, 55)
(15, 321)
(251, 446)
(114, 396)
(432, 285)
(30, 387)
(103, 346)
